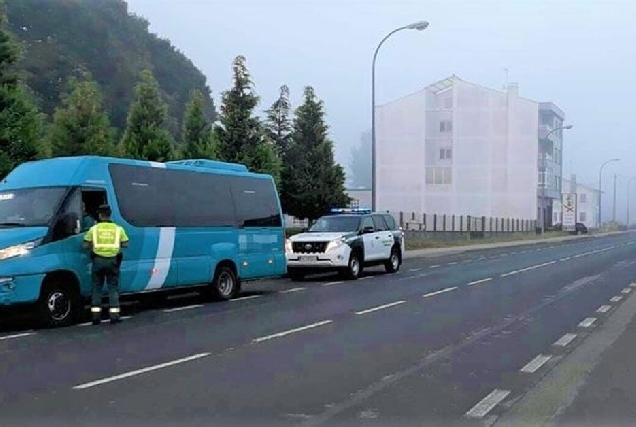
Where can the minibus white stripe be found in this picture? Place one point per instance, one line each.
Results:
(163, 259)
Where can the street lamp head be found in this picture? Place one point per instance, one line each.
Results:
(419, 26)
(568, 127)
(615, 160)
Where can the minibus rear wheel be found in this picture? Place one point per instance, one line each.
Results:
(225, 284)
(59, 303)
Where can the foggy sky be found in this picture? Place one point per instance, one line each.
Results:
(579, 54)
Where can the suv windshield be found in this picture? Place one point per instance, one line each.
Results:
(30, 207)
(336, 224)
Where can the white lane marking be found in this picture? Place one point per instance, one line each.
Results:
(626, 291)
(332, 283)
(415, 269)
(476, 282)
(616, 299)
(633, 285)
(90, 323)
(587, 322)
(442, 291)
(245, 298)
(567, 258)
(140, 371)
(536, 363)
(21, 335)
(565, 340)
(453, 263)
(503, 255)
(604, 309)
(380, 307)
(579, 255)
(482, 408)
(366, 278)
(468, 261)
(528, 268)
(435, 266)
(187, 307)
(288, 291)
(291, 331)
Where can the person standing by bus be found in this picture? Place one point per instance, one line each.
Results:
(105, 240)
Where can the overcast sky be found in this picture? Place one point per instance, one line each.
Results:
(579, 54)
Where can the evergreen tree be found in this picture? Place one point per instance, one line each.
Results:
(21, 125)
(80, 125)
(241, 137)
(313, 181)
(279, 125)
(146, 136)
(198, 141)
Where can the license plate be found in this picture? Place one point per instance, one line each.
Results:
(308, 258)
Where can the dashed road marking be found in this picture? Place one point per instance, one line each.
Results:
(366, 278)
(288, 291)
(477, 282)
(187, 307)
(90, 323)
(534, 365)
(246, 298)
(453, 263)
(14, 336)
(442, 291)
(415, 269)
(291, 331)
(633, 285)
(616, 299)
(528, 268)
(626, 291)
(333, 283)
(567, 258)
(604, 309)
(380, 307)
(565, 340)
(587, 322)
(435, 266)
(140, 371)
(486, 405)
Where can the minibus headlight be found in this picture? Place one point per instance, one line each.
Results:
(19, 250)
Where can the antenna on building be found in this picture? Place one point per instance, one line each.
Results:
(505, 70)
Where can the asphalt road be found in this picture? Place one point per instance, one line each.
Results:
(449, 340)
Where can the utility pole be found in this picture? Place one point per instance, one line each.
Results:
(614, 208)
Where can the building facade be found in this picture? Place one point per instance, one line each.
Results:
(458, 148)
(550, 170)
(587, 203)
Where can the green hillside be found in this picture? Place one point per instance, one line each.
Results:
(64, 38)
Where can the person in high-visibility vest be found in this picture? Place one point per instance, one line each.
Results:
(105, 240)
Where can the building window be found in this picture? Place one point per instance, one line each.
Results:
(583, 216)
(446, 126)
(439, 175)
(445, 154)
(583, 198)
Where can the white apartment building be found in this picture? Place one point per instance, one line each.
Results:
(458, 148)
(587, 203)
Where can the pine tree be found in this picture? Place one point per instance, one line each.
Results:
(279, 125)
(198, 140)
(146, 136)
(313, 181)
(80, 125)
(21, 125)
(241, 136)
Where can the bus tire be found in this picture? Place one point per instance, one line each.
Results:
(225, 284)
(59, 304)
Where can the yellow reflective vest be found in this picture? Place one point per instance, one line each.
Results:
(106, 238)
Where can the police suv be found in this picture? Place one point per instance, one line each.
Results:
(346, 241)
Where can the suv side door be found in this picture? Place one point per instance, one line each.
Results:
(396, 232)
(384, 237)
(369, 239)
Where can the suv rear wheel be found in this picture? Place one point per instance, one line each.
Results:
(392, 265)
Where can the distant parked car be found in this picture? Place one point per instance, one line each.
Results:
(581, 228)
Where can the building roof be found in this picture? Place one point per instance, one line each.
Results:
(550, 106)
(442, 85)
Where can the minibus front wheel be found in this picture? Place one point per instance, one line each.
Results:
(225, 284)
(59, 301)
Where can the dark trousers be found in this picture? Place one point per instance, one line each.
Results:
(105, 270)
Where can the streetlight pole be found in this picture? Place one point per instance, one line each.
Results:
(600, 191)
(419, 26)
(545, 178)
(628, 183)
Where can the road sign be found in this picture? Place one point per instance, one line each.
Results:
(568, 203)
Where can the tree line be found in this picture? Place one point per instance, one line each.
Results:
(291, 145)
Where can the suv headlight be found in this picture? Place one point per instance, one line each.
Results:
(19, 250)
(335, 244)
(288, 246)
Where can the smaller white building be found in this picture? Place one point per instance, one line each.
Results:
(587, 203)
